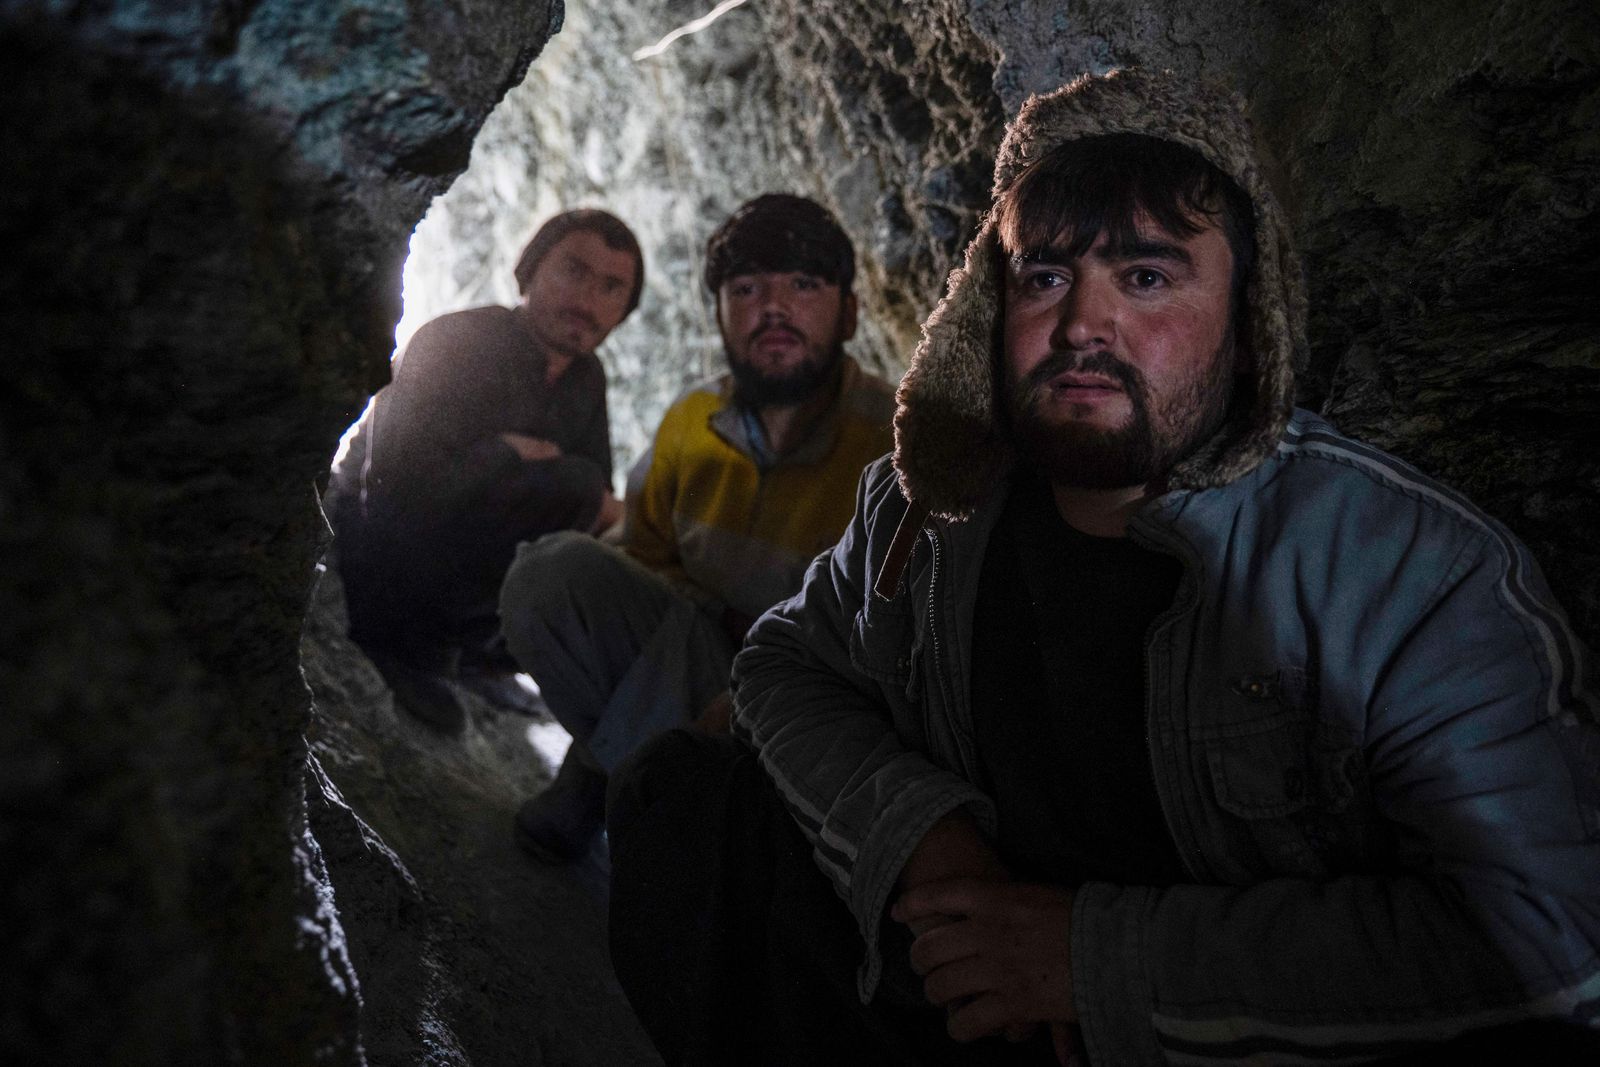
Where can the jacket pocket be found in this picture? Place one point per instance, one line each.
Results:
(1260, 771)
(1289, 785)
(881, 639)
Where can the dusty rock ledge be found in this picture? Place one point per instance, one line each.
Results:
(467, 951)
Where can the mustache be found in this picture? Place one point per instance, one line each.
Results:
(1099, 362)
(776, 327)
(582, 316)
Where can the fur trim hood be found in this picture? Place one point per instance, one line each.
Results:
(950, 450)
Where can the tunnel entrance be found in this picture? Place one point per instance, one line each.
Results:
(205, 205)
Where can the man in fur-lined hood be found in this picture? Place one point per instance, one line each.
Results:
(950, 442)
(1139, 715)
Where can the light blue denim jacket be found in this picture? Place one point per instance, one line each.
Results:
(1372, 736)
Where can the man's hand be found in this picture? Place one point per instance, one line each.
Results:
(999, 959)
(952, 848)
(531, 449)
(713, 718)
(610, 514)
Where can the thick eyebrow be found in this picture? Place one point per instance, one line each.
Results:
(1138, 248)
(1144, 248)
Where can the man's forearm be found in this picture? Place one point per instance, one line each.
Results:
(954, 847)
(1362, 960)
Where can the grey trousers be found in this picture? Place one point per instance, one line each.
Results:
(619, 654)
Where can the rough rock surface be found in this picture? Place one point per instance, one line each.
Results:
(468, 951)
(1440, 166)
(204, 205)
(893, 130)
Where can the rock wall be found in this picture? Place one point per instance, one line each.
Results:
(204, 205)
(1439, 163)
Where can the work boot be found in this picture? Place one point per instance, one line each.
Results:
(424, 694)
(501, 689)
(560, 824)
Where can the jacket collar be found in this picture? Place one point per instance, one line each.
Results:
(728, 422)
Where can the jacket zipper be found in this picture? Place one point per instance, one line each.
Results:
(1187, 592)
(959, 730)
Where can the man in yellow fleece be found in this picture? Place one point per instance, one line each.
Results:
(751, 476)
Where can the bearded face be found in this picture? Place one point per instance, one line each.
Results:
(1119, 361)
(1159, 432)
(784, 333)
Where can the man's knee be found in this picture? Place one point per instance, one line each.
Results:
(682, 769)
(551, 574)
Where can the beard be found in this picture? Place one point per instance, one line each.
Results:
(1160, 432)
(755, 387)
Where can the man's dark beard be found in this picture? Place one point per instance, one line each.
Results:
(1083, 457)
(756, 388)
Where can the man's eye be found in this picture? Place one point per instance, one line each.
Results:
(1145, 278)
(1044, 279)
(807, 282)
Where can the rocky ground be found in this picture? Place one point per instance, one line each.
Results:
(467, 951)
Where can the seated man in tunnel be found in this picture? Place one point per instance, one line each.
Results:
(1209, 734)
(494, 430)
(749, 477)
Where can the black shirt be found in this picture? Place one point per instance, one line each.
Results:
(1058, 696)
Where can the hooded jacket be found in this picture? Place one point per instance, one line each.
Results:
(1370, 726)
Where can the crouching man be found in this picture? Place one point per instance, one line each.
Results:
(1206, 734)
(749, 477)
(494, 431)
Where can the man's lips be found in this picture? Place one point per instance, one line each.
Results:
(577, 318)
(1078, 385)
(776, 336)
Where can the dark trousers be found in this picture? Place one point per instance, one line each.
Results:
(423, 582)
(730, 943)
(733, 948)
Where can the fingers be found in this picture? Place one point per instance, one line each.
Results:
(957, 981)
(981, 1017)
(929, 922)
(945, 944)
(957, 896)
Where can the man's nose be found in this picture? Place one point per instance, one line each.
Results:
(773, 300)
(592, 294)
(1087, 316)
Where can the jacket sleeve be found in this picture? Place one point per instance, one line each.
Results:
(1484, 756)
(861, 794)
(594, 440)
(435, 424)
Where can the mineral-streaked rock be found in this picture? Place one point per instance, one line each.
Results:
(204, 205)
(1440, 167)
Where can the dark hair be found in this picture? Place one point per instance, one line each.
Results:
(780, 232)
(1101, 184)
(612, 230)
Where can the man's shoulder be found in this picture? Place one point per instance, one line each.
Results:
(491, 317)
(1315, 456)
(691, 409)
(473, 329)
(1355, 507)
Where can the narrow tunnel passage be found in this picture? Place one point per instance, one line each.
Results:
(208, 205)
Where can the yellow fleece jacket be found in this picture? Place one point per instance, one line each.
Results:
(709, 518)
